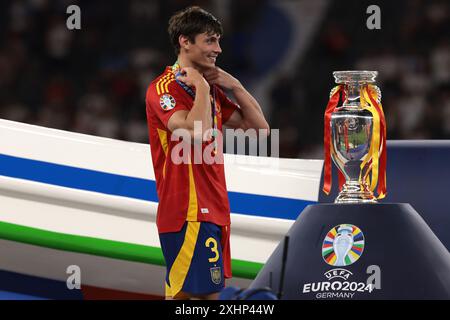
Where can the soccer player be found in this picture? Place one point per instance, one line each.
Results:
(193, 217)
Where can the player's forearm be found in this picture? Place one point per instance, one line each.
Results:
(201, 112)
(252, 113)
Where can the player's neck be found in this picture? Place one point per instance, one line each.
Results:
(184, 62)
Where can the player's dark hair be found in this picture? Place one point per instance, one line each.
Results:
(191, 22)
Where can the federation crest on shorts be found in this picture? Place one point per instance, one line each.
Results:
(167, 102)
(216, 275)
(343, 245)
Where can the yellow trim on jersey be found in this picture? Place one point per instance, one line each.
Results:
(160, 81)
(161, 85)
(182, 263)
(166, 86)
(163, 139)
(193, 205)
(157, 85)
(163, 82)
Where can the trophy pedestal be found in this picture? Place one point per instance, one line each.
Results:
(393, 249)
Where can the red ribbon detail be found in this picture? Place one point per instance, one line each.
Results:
(331, 106)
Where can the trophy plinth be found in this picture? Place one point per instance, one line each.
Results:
(351, 252)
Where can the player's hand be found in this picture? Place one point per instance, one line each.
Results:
(192, 77)
(222, 78)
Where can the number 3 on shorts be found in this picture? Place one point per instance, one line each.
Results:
(213, 249)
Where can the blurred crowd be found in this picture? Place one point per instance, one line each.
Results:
(94, 80)
(411, 53)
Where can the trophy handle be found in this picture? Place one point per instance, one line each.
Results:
(378, 91)
(333, 91)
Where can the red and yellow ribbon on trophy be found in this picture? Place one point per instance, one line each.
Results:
(376, 158)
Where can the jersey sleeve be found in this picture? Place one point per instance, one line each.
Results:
(164, 99)
(227, 105)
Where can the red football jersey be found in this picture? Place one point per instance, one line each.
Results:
(186, 191)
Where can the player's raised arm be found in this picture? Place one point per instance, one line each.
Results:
(201, 110)
(250, 114)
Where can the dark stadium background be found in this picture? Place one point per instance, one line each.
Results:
(94, 80)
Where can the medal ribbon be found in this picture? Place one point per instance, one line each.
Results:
(176, 70)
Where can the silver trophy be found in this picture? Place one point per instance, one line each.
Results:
(351, 135)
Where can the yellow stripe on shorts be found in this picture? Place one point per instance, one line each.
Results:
(181, 265)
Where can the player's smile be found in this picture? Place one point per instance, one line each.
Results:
(212, 58)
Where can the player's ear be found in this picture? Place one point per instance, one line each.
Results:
(184, 42)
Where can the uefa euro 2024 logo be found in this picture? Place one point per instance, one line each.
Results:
(343, 245)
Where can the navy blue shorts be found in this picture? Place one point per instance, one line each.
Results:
(194, 259)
